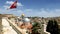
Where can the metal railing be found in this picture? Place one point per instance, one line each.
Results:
(14, 27)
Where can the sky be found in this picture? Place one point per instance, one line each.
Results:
(41, 8)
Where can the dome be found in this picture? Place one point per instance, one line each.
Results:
(23, 14)
(26, 20)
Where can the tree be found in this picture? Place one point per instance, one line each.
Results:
(52, 27)
(36, 27)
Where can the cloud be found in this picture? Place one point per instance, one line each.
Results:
(49, 13)
(43, 12)
(15, 12)
(28, 10)
(11, 2)
(6, 6)
(33, 12)
(8, 3)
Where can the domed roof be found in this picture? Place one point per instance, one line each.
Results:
(26, 20)
(23, 14)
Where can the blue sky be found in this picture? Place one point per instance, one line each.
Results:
(41, 8)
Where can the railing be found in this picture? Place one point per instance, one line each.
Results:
(0, 25)
(16, 28)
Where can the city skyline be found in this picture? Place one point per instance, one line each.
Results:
(41, 8)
